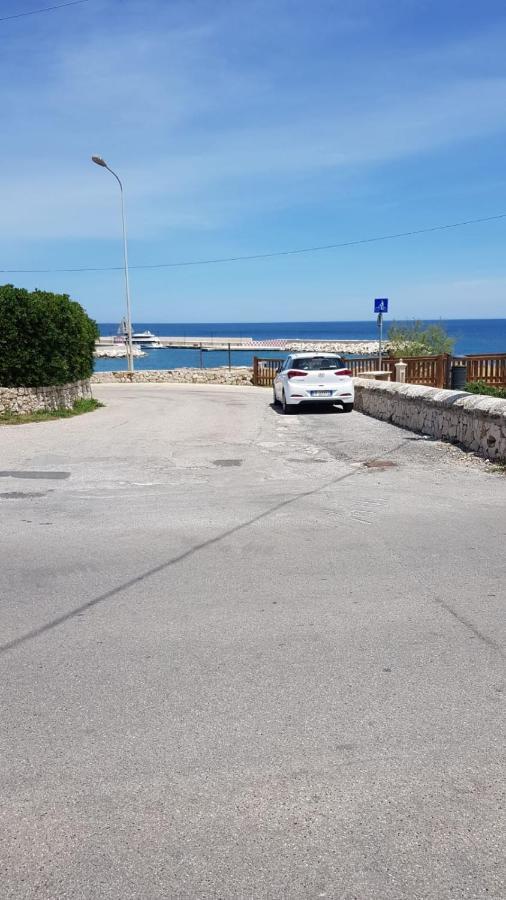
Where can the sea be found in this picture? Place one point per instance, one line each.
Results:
(471, 336)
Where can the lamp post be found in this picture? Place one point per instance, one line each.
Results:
(101, 162)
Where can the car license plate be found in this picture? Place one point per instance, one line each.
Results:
(321, 393)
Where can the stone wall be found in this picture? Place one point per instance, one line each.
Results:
(474, 421)
(27, 400)
(238, 375)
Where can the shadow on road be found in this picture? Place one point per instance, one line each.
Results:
(138, 579)
(133, 582)
(316, 410)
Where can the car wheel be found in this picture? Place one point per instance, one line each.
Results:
(347, 407)
(274, 398)
(287, 409)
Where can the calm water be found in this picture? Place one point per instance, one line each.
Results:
(472, 336)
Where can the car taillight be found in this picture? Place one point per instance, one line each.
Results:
(296, 373)
(344, 372)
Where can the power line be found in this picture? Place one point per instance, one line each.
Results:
(44, 9)
(254, 256)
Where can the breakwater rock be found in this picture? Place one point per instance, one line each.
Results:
(362, 348)
(116, 351)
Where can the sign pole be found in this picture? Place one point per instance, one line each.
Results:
(380, 307)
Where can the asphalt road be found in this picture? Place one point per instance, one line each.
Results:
(248, 656)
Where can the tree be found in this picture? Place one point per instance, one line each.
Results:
(45, 338)
(415, 340)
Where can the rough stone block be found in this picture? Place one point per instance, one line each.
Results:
(476, 422)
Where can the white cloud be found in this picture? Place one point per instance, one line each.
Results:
(206, 127)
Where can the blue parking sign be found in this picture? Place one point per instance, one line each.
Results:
(381, 305)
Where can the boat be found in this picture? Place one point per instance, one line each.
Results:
(146, 339)
(140, 338)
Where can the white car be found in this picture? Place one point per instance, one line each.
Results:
(317, 378)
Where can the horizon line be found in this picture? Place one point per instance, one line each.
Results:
(316, 321)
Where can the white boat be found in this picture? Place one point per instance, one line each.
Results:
(146, 339)
(140, 338)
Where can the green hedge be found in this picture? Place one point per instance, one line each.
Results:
(481, 387)
(44, 338)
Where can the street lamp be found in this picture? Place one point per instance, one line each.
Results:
(101, 162)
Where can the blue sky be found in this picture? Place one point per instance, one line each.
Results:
(245, 128)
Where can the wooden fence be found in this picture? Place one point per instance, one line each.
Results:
(264, 370)
(429, 370)
(367, 364)
(490, 368)
(432, 371)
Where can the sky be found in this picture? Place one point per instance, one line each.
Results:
(252, 127)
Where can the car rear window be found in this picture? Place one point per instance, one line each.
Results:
(319, 362)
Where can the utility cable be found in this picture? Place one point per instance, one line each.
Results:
(255, 256)
(34, 12)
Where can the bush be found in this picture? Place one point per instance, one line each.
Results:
(415, 340)
(45, 338)
(481, 387)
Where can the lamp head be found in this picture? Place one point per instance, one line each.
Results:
(99, 161)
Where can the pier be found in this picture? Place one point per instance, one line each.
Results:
(234, 344)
